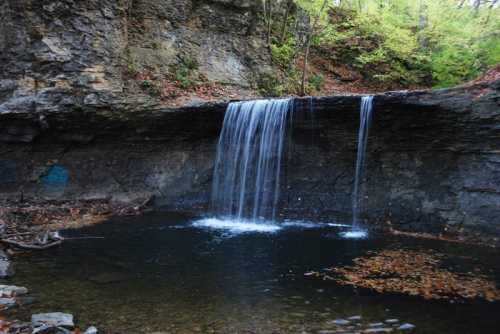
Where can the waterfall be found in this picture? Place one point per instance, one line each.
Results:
(364, 127)
(247, 169)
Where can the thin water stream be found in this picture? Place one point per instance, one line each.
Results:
(365, 118)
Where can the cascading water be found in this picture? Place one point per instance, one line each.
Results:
(364, 127)
(248, 164)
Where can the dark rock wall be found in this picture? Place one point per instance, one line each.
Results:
(167, 154)
(433, 158)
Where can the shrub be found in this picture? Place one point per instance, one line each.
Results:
(317, 81)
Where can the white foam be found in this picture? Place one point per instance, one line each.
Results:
(337, 225)
(300, 224)
(354, 234)
(237, 226)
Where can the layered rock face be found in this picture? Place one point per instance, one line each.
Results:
(433, 160)
(66, 55)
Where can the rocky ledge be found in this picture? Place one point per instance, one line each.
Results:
(433, 156)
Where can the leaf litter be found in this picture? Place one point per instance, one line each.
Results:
(415, 273)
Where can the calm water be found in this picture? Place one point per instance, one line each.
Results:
(159, 273)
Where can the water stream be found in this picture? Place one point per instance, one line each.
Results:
(248, 163)
(364, 128)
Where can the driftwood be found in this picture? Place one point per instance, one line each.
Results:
(27, 246)
(40, 242)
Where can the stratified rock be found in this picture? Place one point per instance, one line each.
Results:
(54, 319)
(7, 302)
(376, 324)
(12, 290)
(84, 66)
(406, 326)
(378, 330)
(6, 267)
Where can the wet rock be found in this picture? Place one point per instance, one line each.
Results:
(46, 329)
(54, 319)
(378, 330)
(19, 327)
(341, 322)
(6, 267)
(355, 318)
(327, 331)
(406, 326)
(91, 330)
(392, 321)
(12, 290)
(376, 324)
(6, 303)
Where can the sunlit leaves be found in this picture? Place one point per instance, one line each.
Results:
(413, 273)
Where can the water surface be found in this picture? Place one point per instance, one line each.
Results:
(168, 272)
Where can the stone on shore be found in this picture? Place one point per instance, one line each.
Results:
(12, 290)
(6, 267)
(55, 319)
(91, 330)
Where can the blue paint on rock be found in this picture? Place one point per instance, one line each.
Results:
(57, 175)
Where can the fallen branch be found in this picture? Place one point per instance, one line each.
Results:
(26, 246)
(82, 238)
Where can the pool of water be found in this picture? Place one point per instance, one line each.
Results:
(174, 273)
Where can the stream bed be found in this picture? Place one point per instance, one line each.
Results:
(174, 273)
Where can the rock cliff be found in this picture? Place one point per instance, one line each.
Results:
(66, 55)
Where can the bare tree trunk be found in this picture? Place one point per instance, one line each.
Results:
(308, 48)
(268, 14)
(422, 24)
(477, 4)
(289, 5)
(490, 8)
(306, 63)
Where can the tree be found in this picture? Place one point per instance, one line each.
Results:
(310, 35)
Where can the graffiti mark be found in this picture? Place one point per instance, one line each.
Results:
(57, 175)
